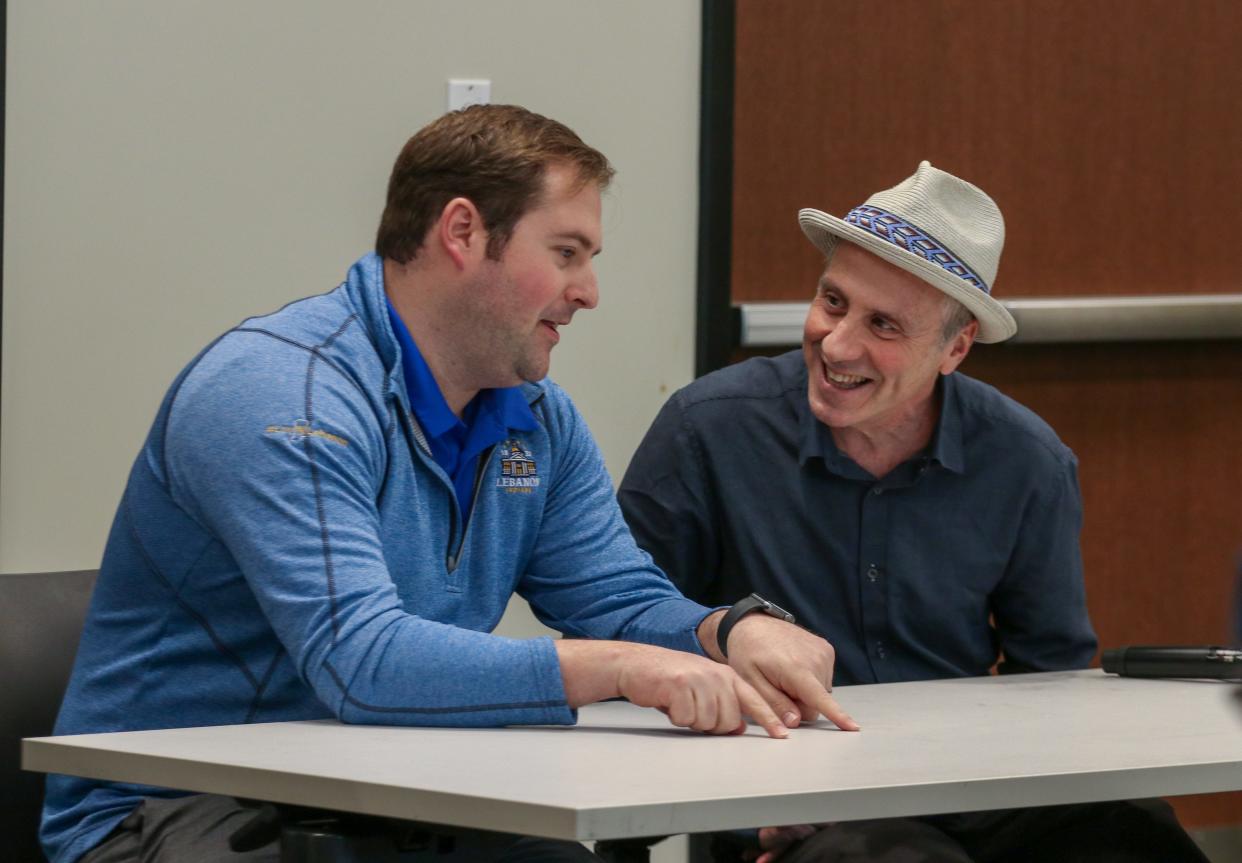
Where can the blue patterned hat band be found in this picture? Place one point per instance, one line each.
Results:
(896, 230)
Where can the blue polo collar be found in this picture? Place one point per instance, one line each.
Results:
(489, 415)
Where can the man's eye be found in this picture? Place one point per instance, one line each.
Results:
(833, 301)
(883, 325)
(568, 252)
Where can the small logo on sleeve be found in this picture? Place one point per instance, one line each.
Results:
(302, 429)
(518, 472)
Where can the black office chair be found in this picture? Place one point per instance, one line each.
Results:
(41, 616)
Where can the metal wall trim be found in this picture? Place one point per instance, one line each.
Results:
(1166, 317)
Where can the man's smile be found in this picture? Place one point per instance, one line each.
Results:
(841, 380)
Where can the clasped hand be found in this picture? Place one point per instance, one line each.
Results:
(789, 667)
(778, 675)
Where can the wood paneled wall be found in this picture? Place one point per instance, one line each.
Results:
(1109, 133)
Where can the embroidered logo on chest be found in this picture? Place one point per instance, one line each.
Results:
(518, 471)
(302, 429)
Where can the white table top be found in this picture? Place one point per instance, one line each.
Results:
(925, 748)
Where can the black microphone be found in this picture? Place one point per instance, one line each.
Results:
(1221, 663)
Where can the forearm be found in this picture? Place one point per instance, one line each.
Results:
(590, 670)
(692, 690)
(420, 672)
(647, 675)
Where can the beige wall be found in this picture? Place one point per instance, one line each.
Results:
(174, 167)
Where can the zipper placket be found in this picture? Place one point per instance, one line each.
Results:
(456, 528)
(480, 470)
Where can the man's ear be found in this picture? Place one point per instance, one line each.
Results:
(460, 232)
(958, 348)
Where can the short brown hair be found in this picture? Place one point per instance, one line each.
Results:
(494, 155)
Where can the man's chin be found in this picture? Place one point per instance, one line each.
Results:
(532, 372)
(830, 416)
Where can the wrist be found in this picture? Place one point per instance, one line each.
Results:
(707, 635)
(590, 670)
(751, 605)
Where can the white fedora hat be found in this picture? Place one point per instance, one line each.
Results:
(936, 226)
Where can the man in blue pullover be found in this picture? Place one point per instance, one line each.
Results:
(336, 501)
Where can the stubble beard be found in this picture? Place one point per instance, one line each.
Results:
(496, 345)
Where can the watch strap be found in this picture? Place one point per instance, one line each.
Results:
(740, 609)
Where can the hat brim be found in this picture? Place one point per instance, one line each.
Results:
(825, 231)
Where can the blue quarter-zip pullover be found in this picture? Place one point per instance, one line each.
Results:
(288, 548)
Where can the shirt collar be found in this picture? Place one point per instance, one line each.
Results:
(364, 286)
(946, 446)
(816, 438)
(504, 408)
(507, 408)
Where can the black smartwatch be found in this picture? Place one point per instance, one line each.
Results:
(754, 602)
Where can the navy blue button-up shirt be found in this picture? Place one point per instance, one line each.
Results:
(965, 552)
(456, 444)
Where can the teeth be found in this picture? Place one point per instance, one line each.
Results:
(846, 380)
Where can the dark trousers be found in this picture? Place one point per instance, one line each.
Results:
(196, 829)
(1128, 831)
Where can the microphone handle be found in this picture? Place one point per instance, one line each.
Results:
(1220, 663)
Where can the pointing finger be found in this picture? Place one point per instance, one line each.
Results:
(828, 706)
(809, 690)
(781, 704)
(756, 708)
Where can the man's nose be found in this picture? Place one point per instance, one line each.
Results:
(843, 342)
(584, 290)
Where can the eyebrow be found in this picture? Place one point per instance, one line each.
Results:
(581, 239)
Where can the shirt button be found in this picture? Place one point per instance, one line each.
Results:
(879, 650)
(873, 573)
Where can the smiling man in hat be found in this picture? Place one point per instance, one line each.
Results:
(922, 522)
